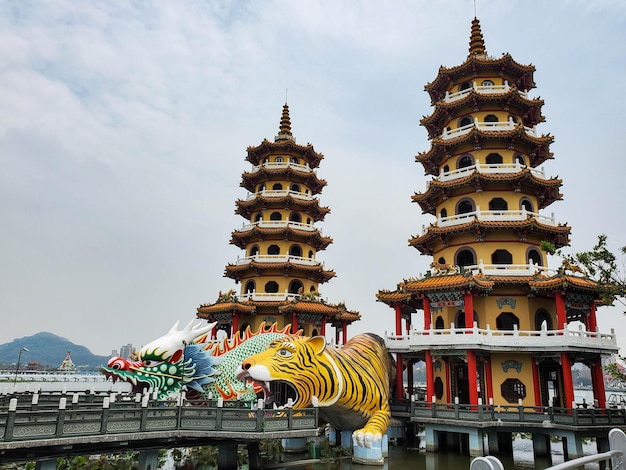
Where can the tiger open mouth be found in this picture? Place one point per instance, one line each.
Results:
(276, 393)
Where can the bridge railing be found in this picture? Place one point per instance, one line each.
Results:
(25, 423)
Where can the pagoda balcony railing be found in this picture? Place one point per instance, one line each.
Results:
(274, 297)
(280, 165)
(279, 224)
(278, 259)
(481, 89)
(280, 193)
(530, 269)
(485, 126)
(494, 216)
(502, 340)
(488, 168)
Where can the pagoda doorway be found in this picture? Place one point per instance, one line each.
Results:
(460, 382)
(551, 383)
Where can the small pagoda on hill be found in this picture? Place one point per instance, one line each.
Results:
(280, 273)
(497, 322)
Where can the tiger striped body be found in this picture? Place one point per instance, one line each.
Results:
(350, 385)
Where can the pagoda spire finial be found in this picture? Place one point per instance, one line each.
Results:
(284, 132)
(477, 43)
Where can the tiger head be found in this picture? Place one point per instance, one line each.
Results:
(290, 368)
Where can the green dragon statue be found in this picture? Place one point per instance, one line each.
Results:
(186, 359)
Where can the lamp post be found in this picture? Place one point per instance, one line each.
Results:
(17, 367)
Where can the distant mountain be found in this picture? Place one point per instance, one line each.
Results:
(49, 350)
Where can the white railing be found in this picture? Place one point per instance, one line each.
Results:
(483, 90)
(488, 168)
(477, 338)
(280, 193)
(277, 259)
(509, 269)
(496, 215)
(278, 165)
(508, 125)
(279, 224)
(278, 296)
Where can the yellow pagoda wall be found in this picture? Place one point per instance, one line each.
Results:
(509, 361)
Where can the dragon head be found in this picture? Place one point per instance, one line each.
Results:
(175, 361)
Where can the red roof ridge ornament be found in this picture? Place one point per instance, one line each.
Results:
(477, 43)
(284, 133)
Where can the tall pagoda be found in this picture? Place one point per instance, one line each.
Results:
(279, 272)
(497, 322)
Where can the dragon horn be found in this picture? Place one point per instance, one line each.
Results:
(193, 330)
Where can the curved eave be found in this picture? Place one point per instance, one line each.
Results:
(310, 207)
(548, 190)
(205, 310)
(242, 238)
(566, 283)
(287, 147)
(441, 149)
(252, 179)
(253, 268)
(331, 311)
(559, 234)
(445, 111)
(505, 65)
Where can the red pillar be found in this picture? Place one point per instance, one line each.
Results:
(294, 323)
(427, 314)
(323, 328)
(597, 380)
(430, 376)
(561, 317)
(472, 377)
(235, 324)
(344, 331)
(468, 300)
(593, 322)
(568, 383)
(488, 380)
(399, 382)
(398, 309)
(448, 383)
(537, 390)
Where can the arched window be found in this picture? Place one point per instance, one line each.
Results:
(487, 83)
(294, 160)
(273, 250)
(443, 213)
(441, 260)
(465, 86)
(494, 159)
(465, 121)
(277, 187)
(465, 161)
(295, 217)
(464, 206)
(254, 250)
(513, 118)
(543, 318)
(249, 287)
(526, 204)
(459, 319)
(501, 257)
(439, 323)
(312, 289)
(491, 118)
(276, 216)
(308, 220)
(507, 321)
(271, 287)
(278, 159)
(295, 250)
(258, 217)
(446, 169)
(295, 187)
(311, 254)
(295, 287)
(519, 158)
(261, 187)
(465, 257)
(498, 204)
(534, 257)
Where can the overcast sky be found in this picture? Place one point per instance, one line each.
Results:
(124, 127)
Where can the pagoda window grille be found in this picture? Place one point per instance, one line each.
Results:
(507, 321)
(543, 318)
(487, 83)
(295, 187)
(465, 257)
(295, 287)
(438, 388)
(439, 323)
(501, 257)
(271, 287)
(465, 206)
(465, 121)
(249, 287)
(258, 217)
(491, 118)
(498, 204)
(294, 160)
(534, 257)
(443, 213)
(277, 187)
(494, 159)
(276, 216)
(278, 159)
(512, 390)
(273, 250)
(519, 158)
(254, 250)
(465, 161)
(465, 86)
(526, 204)
(295, 217)
(295, 250)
